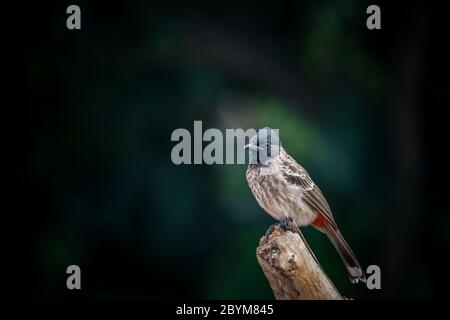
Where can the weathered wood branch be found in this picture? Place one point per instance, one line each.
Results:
(291, 268)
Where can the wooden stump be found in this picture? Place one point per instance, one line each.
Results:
(292, 269)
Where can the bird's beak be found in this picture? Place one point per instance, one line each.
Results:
(252, 146)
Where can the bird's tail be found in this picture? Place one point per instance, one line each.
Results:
(351, 263)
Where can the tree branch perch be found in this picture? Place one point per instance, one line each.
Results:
(291, 268)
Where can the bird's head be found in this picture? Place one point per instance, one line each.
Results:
(264, 146)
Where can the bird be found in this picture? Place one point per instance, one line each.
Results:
(285, 190)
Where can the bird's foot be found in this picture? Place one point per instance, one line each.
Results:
(269, 231)
(287, 224)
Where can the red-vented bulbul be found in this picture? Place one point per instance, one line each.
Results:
(285, 190)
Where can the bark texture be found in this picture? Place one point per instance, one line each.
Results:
(291, 268)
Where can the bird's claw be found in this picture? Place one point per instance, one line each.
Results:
(269, 231)
(286, 224)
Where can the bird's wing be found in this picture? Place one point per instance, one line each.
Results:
(296, 175)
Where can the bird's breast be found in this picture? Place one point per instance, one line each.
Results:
(279, 198)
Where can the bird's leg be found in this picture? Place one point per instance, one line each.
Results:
(288, 224)
(269, 231)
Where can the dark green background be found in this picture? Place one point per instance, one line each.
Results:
(352, 105)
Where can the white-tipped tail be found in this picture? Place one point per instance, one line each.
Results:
(354, 269)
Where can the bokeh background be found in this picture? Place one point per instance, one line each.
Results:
(352, 105)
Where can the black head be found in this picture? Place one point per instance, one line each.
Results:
(263, 146)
